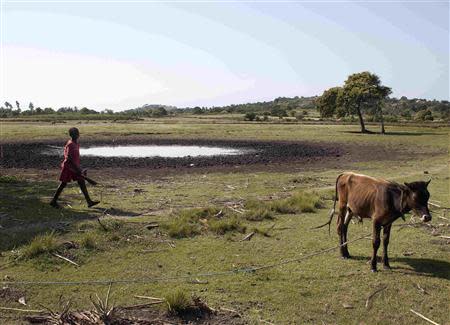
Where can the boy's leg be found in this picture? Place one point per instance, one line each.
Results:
(83, 188)
(54, 201)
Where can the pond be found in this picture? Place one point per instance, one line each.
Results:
(166, 151)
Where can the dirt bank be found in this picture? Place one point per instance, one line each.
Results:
(31, 154)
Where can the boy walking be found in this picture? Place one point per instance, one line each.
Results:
(71, 171)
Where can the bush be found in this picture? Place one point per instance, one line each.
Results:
(89, 241)
(187, 222)
(41, 244)
(250, 116)
(109, 224)
(424, 115)
(8, 179)
(177, 302)
(258, 214)
(300, 202)
(222, 226)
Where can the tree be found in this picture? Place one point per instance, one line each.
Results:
(250, 116)
(31, 107)
(159, 111)
(363, 92)
(18, 105)
(327, 103)
(8, 105)
(424, 115)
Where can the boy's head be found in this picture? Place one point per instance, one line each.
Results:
(74, 133)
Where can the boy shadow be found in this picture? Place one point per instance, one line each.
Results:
(115, 212)
(25, 212)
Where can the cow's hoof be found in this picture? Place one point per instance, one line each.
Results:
(346, 257)
(387, 267)
(374, 270)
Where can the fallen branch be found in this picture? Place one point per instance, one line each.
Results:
(446, 237)
(66, 259)
(198, 281)
(23, 310)
(421, 289)
(373, 294)
(235, 210)
(249, 236)
(102, 225)
(143, 305)
(422, 316)
(151, 298)
(154, 250)
(230, 311)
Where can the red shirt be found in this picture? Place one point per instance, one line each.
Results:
(68, 173)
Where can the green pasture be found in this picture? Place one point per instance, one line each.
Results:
(323, 289)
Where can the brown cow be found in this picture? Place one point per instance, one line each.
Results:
(382, 201)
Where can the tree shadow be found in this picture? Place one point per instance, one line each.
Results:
(405, 133)
(25, 212)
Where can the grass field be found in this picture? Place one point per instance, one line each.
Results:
(280, 204)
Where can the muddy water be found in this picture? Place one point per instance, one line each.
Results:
(171, 151)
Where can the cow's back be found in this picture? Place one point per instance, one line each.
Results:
(360, 193)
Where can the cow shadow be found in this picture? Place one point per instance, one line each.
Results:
(418, 266)
(425, 266)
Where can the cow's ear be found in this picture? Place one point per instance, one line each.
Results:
(426, 183)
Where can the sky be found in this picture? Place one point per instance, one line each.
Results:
(124, 54)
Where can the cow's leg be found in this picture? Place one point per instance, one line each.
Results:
(340, 229)
(376, 244)
(386, 235)
(348, 217)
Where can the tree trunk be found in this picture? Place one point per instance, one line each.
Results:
(361, 120)
(383, 131)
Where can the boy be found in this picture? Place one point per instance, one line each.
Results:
(71, 171)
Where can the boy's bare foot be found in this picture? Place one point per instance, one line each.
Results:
(93, 203)
(55, 205)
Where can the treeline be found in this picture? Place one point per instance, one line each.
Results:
(281, 107)
(9, 111)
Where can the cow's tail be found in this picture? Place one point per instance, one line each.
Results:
(332, 211)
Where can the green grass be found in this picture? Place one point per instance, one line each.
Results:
(89, 241)
(41, 244)
(277, 205)
(177, 302)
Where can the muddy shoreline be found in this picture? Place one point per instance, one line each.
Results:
(31, 154)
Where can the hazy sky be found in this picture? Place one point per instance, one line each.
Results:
(122, 55)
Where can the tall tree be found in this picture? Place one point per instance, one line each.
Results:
(363, 92)
(18, 105)
(31, 107)
(327, 103)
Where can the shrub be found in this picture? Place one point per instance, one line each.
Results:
(8, 179)
(424, 115)
(41, 244)
(299, 202)
(177, 302)
(222, 226)
(89, 241)
(109, 224)
(250, 116)
(258, 214)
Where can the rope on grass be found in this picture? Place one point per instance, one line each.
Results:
(199, 275)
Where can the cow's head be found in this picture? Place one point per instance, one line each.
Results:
(417, 199)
